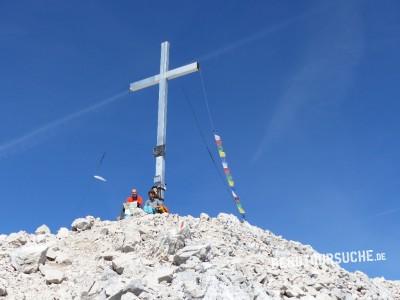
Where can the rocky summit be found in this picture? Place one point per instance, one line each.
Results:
(173, 257)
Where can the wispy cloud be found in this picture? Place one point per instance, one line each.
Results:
(388, 212)
(327, 72)
(33, 137)
(261, 34)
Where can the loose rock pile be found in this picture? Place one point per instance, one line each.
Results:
(173, 257)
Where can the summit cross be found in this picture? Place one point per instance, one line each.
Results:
(162, 81)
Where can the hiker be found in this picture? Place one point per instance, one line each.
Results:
(154, 204)
(134, 200)
(135, 197)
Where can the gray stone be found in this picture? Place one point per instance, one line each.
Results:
(118, 265)
(104, 231)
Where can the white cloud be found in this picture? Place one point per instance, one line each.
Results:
(32, 138)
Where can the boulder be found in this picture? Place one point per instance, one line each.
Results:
(132, 238)
(118, 265)
(82, 224)
(294, 292)
(18, 239)
(161, 274)
(114, 288)
(165, 275)
(200, 251)
(135, 287)
(43, 229)
(171, 242)
(40, 238)
(204, 217)
(63, 259)
(3, 288)
(51, 254)
(104, 231)
(129, 296)
(137, 212)
(28, 258)
(52, 275)
(3, 238)
(62, 233)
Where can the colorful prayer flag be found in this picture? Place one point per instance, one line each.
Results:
(228, 174)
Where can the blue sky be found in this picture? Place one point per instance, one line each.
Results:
(304, 93)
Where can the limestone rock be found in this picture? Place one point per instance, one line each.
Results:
(62, 233)
(3, 239)
(63, 259)
(118, 265)
(171, 242)
(51, 254)
(43, 229)
(82, 224)
(18, 239)
(135, 287)
(3, 288)
(204, 217)
(185, 253)
(174, 257)
(132, 238)
(129, 296)
(52, 275)
(28, 258)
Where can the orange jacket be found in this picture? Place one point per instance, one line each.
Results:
(138, 199)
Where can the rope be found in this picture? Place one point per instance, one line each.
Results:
(204, 140)
(231, 190)
(206, 101)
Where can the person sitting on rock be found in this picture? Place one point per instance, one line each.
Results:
(154, 204)
(134, 200)
(135, 197)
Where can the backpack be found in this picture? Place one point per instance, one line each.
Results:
(162, 209)
(148, 209)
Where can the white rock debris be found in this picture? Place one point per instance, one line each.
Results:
(174, 257)
(43, 230)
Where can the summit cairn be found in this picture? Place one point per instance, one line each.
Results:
(166, 256)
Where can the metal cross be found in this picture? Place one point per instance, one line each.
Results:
(162, 80)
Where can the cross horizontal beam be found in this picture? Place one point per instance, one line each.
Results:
(171, 74)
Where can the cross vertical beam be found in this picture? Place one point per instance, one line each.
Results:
(162, 80)
(159, 178)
